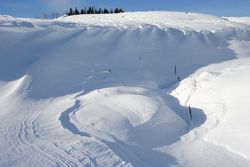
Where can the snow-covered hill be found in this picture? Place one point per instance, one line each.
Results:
(104, 90)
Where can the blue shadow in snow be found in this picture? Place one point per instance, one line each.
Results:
(130, 154)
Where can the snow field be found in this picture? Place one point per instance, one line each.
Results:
(100, 90)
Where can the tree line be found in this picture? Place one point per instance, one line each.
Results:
(92, 10)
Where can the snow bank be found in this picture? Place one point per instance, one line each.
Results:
(180, 20)
(221, 91)
(81, 58)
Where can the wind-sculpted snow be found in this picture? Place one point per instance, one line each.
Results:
(104, 90)
(8, 21)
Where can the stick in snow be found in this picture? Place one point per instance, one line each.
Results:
(190, 112)
(179, 79)
(175, 70)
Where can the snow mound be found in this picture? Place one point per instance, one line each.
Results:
(120, 111)
(132, 104)
(183, 20)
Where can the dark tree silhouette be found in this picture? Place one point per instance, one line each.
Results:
(116, 10)
(120, 11)
(92, 10)
(89, 10)
(76, 12)
(106, 11)
(70, 12)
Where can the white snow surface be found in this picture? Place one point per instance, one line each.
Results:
(104, 91)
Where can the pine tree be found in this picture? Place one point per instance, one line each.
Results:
(106, 11)
(89, 10)
(70, 12)
(121, 11)
(76, 11)
(116, 10)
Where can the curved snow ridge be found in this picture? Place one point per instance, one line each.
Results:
(195, 91)
(106, 116)
(118, 111)
(133, 56)
(9, 21)
(222, 95)
(132, 103)
(36, 140)
(14, 88)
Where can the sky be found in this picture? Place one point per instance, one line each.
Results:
(36, 8)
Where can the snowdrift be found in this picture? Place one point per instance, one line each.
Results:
(104, 90)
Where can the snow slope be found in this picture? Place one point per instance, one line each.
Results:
(103, 90)
(243, 20)
(221, 91)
